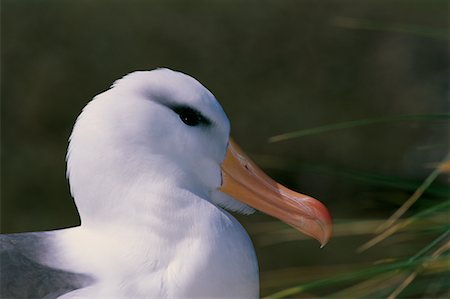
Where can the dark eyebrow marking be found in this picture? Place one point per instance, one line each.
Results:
(181, 108)
(184, 110)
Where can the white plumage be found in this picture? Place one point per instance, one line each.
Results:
(146, 170)
(144, 184)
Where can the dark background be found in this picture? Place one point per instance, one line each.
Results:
(275, 66)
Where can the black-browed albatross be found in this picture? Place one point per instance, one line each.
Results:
(152, 169)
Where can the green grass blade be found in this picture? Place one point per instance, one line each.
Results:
(353, 23)
(393, 229)
(361, 176)
(417, 194)
(357, 275)
(430, 246)
(381, 180)
(418, 223)
(358, 123)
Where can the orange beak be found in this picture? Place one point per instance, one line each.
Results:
(246, 182)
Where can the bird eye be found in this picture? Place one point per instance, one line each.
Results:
(190, 117)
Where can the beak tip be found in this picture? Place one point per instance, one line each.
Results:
(323, 224)
(324, 241)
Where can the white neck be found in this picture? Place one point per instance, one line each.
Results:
(123, 182)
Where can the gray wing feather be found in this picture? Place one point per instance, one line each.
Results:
(22, 275)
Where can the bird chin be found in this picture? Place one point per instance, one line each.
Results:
(227, 202)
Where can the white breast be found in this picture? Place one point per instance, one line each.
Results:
(211, 256)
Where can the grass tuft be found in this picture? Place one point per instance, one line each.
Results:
(404, 273)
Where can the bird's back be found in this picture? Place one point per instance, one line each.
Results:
(23, 274)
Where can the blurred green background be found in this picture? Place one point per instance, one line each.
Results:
(276, 67)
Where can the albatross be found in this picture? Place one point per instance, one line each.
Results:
(153, 171)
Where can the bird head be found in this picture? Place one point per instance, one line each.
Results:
(161, 129)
